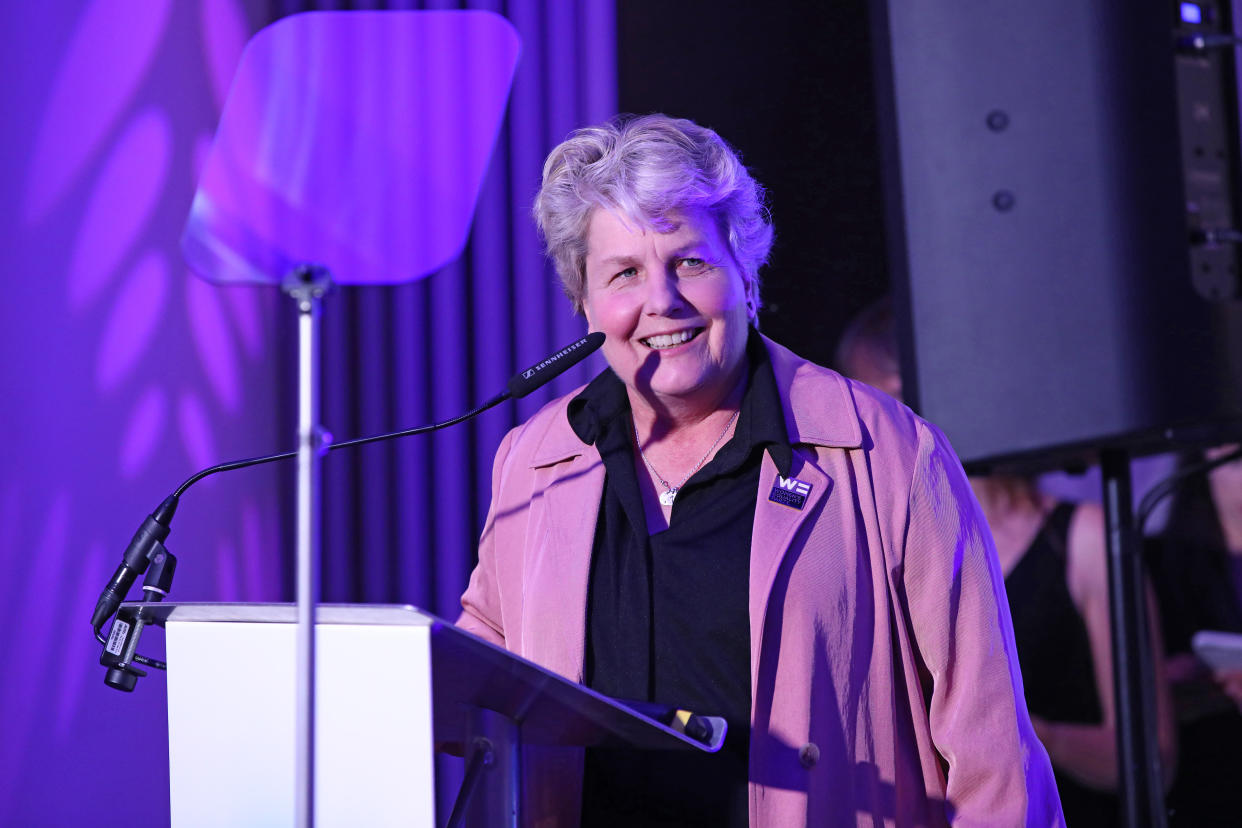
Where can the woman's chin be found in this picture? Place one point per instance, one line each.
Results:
(684, 387)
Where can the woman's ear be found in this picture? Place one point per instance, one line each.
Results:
(752, 298)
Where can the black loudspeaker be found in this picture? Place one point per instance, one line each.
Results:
(1039, 242)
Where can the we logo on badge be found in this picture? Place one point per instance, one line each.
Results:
(790, 491)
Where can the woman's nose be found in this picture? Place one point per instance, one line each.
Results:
(663, 293)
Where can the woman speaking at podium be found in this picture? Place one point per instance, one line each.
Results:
(716, 524)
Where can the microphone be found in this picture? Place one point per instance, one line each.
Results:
(694, 726)
(119, 648)
(148, 542)
(526, 381)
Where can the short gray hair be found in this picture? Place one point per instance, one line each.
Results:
(646, 168)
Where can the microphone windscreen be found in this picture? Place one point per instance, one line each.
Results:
(544, 371)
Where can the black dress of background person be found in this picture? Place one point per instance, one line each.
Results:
(1054, 651)
(1199, 587)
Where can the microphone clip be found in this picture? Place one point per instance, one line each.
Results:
(120, 651)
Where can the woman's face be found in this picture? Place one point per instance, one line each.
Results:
(673, 306)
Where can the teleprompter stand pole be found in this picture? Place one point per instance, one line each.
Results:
(307, 285)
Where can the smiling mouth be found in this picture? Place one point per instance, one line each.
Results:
(662, 341)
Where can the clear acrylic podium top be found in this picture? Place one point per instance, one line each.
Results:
(356, 141)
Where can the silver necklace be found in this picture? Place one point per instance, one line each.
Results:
(670, 492)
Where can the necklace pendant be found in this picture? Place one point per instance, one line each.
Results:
(667, 497)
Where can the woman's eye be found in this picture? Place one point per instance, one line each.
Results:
(692, 263)
(629, 272)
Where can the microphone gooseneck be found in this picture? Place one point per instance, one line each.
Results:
(520, 384)
(147, 545)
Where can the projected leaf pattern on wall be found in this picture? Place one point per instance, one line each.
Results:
(113, 163)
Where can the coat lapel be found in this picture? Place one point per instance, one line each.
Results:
(819, 414)
(775, 528)
(558, 569)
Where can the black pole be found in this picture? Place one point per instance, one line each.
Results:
(1138, 760)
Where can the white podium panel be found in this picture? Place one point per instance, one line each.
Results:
(231, 718)
(231, 697)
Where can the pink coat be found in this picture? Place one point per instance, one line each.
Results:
(884, 680)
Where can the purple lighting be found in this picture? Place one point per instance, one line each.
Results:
(120, 205)
(259, 555)
(195, 428)
(142, 435)
(244, 308)
(212, 342)
(35, 651)
(353, 140)
(133, 321)
(224, 35)
(85, 102)
(226, 572)
(10, 512)
(78, 651)
(126, 376)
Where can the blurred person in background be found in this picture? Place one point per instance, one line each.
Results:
(1196, 566)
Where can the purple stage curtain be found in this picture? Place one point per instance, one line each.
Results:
(122, 373)
(401, 519)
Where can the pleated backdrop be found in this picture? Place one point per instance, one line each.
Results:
(123, 373)
(401, 519)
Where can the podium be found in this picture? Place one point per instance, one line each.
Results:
(391, 683)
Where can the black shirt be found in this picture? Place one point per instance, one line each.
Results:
(668, 614)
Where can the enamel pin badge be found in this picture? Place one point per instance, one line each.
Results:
(790, 491)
